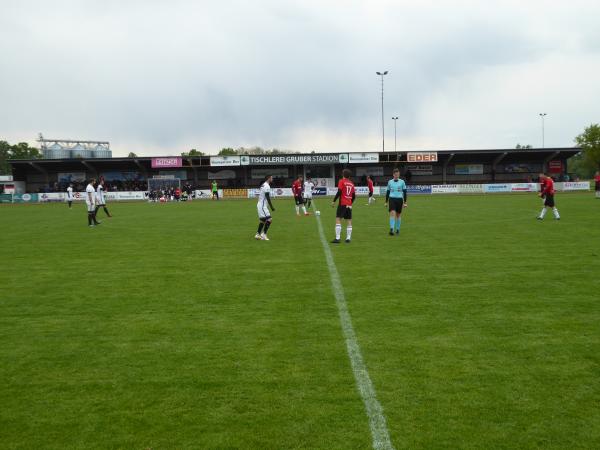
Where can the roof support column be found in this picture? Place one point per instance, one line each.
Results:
(445, 167)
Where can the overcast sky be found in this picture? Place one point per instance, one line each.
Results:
(161, 77)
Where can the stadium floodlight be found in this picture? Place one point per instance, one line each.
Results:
(381, 74)
(542, 115)
(395, 119)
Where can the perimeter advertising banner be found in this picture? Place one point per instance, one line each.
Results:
(169, 161)
(358, 158)
(491, 188)
(576, 186)
(524, 187)
(420, 157)
(417, 189)
(470, 188)
(224, 161)
(274, 160)
(25, 198)
(444, 189)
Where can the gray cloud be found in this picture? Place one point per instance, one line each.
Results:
(161, 77)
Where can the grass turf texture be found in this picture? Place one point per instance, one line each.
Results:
(169, 326)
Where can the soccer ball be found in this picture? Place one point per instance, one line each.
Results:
(317, 213)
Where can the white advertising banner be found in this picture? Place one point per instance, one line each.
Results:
(80, 196)
(524, 187)
(470, 188)
(275, 192)
(361, 158)
(223, 161)
(491, 188)
(574, 186)
(444, 189)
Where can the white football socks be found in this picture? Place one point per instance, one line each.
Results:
(543, 213)
(338, 231)
(304, 209)
(555, 212)
(348, 232)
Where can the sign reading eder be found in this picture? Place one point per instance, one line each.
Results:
(313, 158)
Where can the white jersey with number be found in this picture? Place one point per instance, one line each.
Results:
(263, 205)
(100, 195)
(70, 194)
(89, 195)
(308, 188)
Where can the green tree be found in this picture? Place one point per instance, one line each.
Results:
(589, 141)
(132, 155)
(22, 150)
(228, 152)
(193, 152)
(523, 147)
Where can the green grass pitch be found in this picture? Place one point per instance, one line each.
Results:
(170, 327)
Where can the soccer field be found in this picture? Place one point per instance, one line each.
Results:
(169, 326)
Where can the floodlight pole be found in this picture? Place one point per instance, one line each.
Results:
(395, 119)
(382, 74)
(543, 115)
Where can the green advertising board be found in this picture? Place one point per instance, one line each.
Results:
(5, 198)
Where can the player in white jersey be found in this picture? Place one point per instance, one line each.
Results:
(70, 195)
(100, 200)
(309, 185)
(264, 215)
(91, 203)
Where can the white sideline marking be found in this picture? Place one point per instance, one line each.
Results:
(377, 423)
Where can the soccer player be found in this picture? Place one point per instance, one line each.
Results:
(346, 194)
(597, 183)
(297, 191)
(89, 201)
(70, 195)
(215, 190)
(547, 194)
(308, 188)
(264, 215)
(396, 196)
(100, 200)
(371, 189)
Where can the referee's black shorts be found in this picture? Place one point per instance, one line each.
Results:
(344, 212)
(549, 200)
(396, 204)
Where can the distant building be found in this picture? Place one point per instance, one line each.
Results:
(71, 149)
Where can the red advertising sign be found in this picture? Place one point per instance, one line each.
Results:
(419, 157)
(555, 166)
(169, 161)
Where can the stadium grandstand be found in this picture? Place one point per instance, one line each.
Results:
(418, 168)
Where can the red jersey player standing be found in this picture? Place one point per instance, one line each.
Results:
(346, 194)
(297, 191)
(371, 189)
(547, 194)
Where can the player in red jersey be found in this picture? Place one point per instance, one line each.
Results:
(371, 189)
(547, 194)
(297, 187)
(597, 183)
(346, 194)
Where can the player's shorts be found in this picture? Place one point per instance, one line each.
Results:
(344, 212)
(263, 212)
(90, 207)
(396, 204)
(370, 193)
(308, 196)
(298, 199)
(549, 200)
